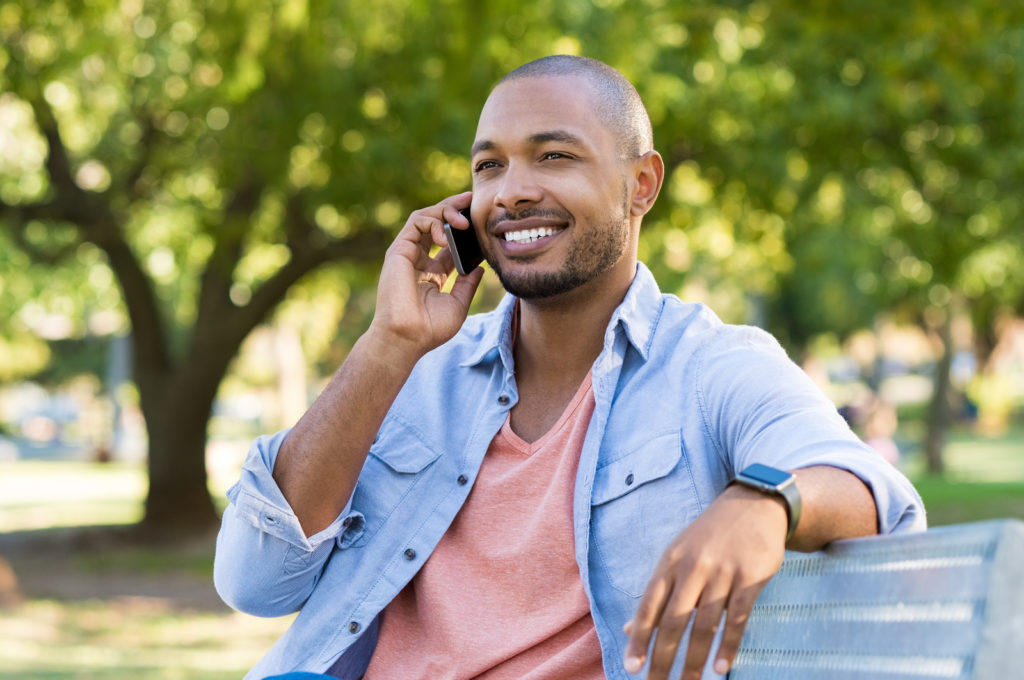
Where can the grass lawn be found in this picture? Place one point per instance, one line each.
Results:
(123, 613)
(984, 478)
(127, 639)
(112, 634)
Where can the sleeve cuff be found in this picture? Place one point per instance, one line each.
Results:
(259, 501)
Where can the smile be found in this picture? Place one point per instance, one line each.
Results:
(530, 235)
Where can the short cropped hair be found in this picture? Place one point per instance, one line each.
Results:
(619, 104)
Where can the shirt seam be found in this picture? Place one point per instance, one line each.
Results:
(703, 404)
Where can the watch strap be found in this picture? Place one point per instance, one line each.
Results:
(791, 495)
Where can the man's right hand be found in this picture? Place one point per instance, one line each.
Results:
(412, 313)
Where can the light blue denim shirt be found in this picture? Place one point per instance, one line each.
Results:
(683, 402)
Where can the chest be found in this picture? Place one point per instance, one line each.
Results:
(541, 404)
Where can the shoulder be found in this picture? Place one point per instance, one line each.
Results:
(725, 361)
(696, 327)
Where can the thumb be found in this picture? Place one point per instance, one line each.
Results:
(465, 287)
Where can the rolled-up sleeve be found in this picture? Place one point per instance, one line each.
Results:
(764, 409)
(265, 565)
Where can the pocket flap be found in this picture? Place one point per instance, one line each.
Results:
(401, 449)
(652, 460)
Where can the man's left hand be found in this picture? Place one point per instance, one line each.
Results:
(719, 563)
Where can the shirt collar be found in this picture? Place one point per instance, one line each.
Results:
(496, 338)
(638, 313)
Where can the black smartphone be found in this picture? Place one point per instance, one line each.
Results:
(464, 246)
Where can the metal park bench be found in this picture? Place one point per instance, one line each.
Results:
(947, 603)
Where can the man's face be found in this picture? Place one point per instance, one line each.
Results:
(550, 193)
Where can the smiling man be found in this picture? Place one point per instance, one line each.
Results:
(593, 480)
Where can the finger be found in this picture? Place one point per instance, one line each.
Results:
(647, 614)
(431, 234)
(705, 624)
(741, 603)
(451, 206)
(671, 628)
(421, 231)
(444, 261)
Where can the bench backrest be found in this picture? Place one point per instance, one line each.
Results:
(945, 603)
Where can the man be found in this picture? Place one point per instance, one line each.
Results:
(543, 491)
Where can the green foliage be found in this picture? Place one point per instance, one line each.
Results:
(838, 158)
(180, 167)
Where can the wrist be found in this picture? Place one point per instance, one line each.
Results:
(389, 349)
(776, 484)
(765, 505)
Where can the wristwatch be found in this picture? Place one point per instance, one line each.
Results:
(774, 482)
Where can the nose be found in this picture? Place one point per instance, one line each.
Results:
(518, 187)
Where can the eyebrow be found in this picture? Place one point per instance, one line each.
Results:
(539, 138)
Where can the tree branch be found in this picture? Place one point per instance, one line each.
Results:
(15, 220)
(215, 283)
(145, 146)
(363, 246)
(98, 225)
(58, 165)
(234, 324)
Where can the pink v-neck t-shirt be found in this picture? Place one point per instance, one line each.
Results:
(501, 596)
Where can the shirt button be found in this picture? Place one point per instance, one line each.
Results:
(353, 627)
(503, 400)
(629, 479)
(462, 480)
(410, 554)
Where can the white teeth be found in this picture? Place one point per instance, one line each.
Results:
(529, 235)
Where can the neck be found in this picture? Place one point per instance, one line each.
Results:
(559, 338)
(557, 343)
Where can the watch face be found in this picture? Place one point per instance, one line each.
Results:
(768, 475)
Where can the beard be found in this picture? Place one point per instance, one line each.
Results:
(590, 255)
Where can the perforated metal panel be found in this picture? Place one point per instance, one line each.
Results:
(947, 603)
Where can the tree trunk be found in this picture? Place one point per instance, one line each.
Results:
(177, 409)
(939, 411)
(178, 501)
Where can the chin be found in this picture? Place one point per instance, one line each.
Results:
(541, 285)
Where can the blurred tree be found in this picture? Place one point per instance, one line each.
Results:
(838, 159)
(825, 160)
(211, 154)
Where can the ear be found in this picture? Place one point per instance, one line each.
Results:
(648, 174)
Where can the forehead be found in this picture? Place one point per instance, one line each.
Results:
(520, 109)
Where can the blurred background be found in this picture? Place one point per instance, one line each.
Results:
(195, 198)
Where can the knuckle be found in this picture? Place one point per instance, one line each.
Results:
(707, 616)
(705, 564)
(739, 617)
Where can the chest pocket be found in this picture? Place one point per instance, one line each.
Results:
(397, 462)
(639, 503)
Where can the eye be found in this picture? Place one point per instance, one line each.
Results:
(484, 165)
(554, 156)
